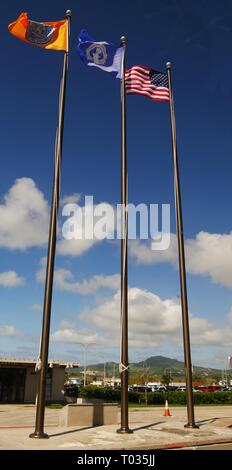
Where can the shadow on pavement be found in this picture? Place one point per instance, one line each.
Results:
(206, 421)
(148, 425)
(69, 432)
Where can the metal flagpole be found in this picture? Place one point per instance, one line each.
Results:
(40, 408)
(183, 285)
(124, 281)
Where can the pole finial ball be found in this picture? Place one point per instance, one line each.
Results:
(68, 13)
(168, 65)
(123, 40)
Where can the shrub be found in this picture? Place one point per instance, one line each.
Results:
(104, 393)
(71, 391)
(108, 394)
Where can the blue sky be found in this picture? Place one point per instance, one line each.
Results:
(197, 39)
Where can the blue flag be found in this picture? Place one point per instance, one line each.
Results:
(104, 55)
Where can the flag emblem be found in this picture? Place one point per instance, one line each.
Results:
(102, 54)
(39, 33)
(97, 54)
(47, 35)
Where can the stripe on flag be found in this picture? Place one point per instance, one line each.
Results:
(142, 80)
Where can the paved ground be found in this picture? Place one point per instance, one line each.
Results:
(151, 430)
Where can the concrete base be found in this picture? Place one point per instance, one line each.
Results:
(89, 414)
(71, 399)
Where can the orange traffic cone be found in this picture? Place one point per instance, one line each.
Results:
(166, 409)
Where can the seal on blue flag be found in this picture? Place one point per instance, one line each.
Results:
(96, 53)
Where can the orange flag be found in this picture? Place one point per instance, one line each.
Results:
(48, 35)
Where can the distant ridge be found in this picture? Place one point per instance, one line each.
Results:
(156, 365)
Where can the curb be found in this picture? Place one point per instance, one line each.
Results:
(176, 445)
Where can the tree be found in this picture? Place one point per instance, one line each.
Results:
(165, 379)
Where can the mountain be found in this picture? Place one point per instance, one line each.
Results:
(154, 365)
(158, 365)
(160, 362)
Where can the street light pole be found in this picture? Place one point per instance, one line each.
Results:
(85, 346)
(85, 361)
(104, 376)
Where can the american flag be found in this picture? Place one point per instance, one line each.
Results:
(148, 82)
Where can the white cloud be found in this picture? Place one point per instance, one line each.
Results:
(89, 228)
(40, 274)
(153, 323)
(144, 254)
(73, 198)
(64, 281)
(209, 254)
(11, 279)
(73, 335)
(75, 247)
(24, 216)
(37, 307)
(8, 330)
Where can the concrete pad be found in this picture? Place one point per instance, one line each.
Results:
(151, 429)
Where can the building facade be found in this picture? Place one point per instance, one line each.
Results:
(19, 380)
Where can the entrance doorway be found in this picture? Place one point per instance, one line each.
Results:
(12, 384)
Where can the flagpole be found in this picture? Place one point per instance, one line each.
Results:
(183, 285)
(124, 278)
(41, 401)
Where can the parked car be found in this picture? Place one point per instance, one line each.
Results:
(141, 388)
(160, 388)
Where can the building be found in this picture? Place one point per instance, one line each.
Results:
(74, 381)
(18, 380)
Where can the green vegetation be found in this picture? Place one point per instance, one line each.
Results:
(104, 393)
(166, 379)
(108, 394)
(54, 406)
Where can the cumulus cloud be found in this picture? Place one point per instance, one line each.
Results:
(209, 254)
(64, 280)
(24, 216)
(86, 227)
(41, 272)
(11, 279)
(75, 247)
(144, 254)
(37, 307)
(70, 334)
(72, 198)
(153, 322)
(8, 330)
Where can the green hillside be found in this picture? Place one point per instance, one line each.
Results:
(154, 365)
